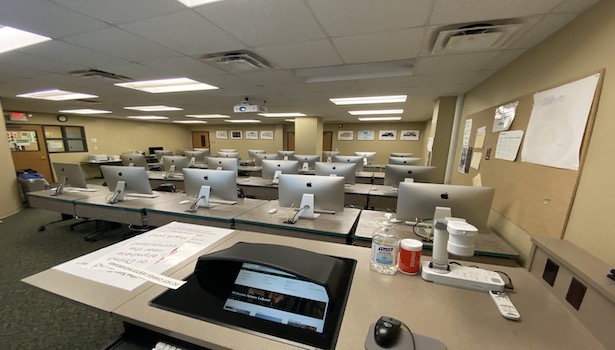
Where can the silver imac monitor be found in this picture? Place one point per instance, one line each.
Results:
(405, 161)
(206, 151)
(282, 154)
(346, 170)
(329, 154)
(160, 153)
(180, 162)
(328, 191)
(285, 166)
(70, 175)
(258, 161)
(369, 156)
(222, 163)
(222, 183)
(136, 159)
(199, 156)
(418, 201)
(228, 155)
(401, 154)
(394, 174)
(253, 152)
(358, 160)
(134, 178)
(227, 150)
(310, 159)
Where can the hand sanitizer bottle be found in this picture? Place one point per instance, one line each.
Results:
(385, 247)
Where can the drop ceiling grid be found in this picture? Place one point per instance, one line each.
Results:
(122, 11)
(380, 47)
(455, 11)
(316, 53)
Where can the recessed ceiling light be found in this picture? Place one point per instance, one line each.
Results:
(368, 100)
(167, 85)
(84, 111)
(190, 121)
(56, 95)
(243, 121)
(147, 117)
(208, 116)
(376, 119)
(377, 111)
(195, 3)
(281, 115)
(154, 108)
(12, 39)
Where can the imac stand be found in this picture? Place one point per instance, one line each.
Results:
(307, 207)
(202, 199)
(171, 172)
(192, 161)
(60, 188)
(276, 177)
(118, 196)
(304, 167)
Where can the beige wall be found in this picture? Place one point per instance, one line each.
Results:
(243, 145)
(10, 199)
(308, 135)
(583, 46)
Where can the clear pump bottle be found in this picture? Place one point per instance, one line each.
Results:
(385, 247)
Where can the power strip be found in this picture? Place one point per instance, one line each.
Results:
(464, 277)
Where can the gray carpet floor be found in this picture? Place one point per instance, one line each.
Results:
(32, 318)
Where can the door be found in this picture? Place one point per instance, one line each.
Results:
(290, 141)
(327, 141)
(28, 149)
(200, 139)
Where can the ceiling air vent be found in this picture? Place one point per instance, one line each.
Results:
(474, 37)
(95, 73)
(237, 61)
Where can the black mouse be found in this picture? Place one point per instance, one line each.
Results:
(386, 331)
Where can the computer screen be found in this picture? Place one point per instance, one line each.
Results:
(358, 160)
(160, 153)
(367, 155)
(310, 159)
(72, 173)
(222, 183)
(133, 158)
(401, 154)
(214, 163)
(346, 170)
(394, 174)
(419, 201)
(155, 148)
(405, 161)
(328, 191)
(285, 166)
(258, 160)
(179, 162)
(253, 152)
(199, 156)
(135, 178)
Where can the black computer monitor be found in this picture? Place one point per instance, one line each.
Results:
(328, 191)
(346, 170)
(155, 148)
(270, 166)
(222, 183)
(394, 174)
(358, 160)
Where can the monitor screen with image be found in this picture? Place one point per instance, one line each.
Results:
(345, 170)
(369, 156)
(358, 160)
(135, 178)
(405, 161)
(285, 166)
(418, 201)
(70, 175)
(199, 156)
(133, 159)
(394, 174)
(328, 191)
(160, 153)
(180, 162)
(253, 152)
(222, 183)
(258, 161)
(310, 159)
(222, 163)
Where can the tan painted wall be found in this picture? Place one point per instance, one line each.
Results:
(308, 135)
(243, 145)
(583, 46)
(10, 199)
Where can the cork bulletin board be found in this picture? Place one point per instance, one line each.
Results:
(537, 198)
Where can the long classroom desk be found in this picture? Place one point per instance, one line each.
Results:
(63, 203)
(461, 319)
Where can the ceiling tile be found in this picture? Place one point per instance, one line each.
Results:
(308, 54)
(504, 58)
(454, 63)
(122, 11)
(543, 29)
(380, 46)
(186, 67)
(455, 11)
(65, 52)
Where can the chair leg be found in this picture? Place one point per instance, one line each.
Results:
(65, 217)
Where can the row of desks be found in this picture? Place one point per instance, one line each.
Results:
(351, 226)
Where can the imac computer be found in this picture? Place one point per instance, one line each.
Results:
(401, 154)
(358, 160)
(160, 153)
(195, 156)
(69, 175)
(227, 150)
(345, 170)
(133, 159)
(228, 155)
(271, 167)
(253, 152)
(306, 161)
(418, 201)
(405, 161)
(220, 186)
(368, 157)
(326, 192)
(174, 164)
(206, 151)
(286, 155)
(258, 160)
(151, 150)
(131, 181)
(221, 163)
(394, 174)
(327, 156)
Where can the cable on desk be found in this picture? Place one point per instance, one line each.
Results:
(427, 238)
(411, 334)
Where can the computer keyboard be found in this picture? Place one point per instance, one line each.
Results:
(165, 346)
(142, 195)
(77, 189)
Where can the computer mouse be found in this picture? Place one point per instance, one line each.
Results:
(272, 211)
(386, 331)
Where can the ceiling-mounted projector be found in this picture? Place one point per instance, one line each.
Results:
(246, 107)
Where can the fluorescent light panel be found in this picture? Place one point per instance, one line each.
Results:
(281, 115)
(56, 95)
(368, 100)
(190, 121)
(84, 111)
(376, 119)
(377, 112)
(243, 121)
(167, 85)
(208, 116)
(147, 117)
(154, 108)
(12, 39)
(195, 3)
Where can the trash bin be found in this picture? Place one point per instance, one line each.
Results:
(30, 182)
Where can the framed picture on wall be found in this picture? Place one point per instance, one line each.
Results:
(251, 135)
(387, 135)
(236, 134)
(345, 135)
(266, 134)
(409, 135)
(365, 135)
(221, 134)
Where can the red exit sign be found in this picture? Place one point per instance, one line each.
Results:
(18, 116)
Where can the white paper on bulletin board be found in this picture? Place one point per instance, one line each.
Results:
(557, 124)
